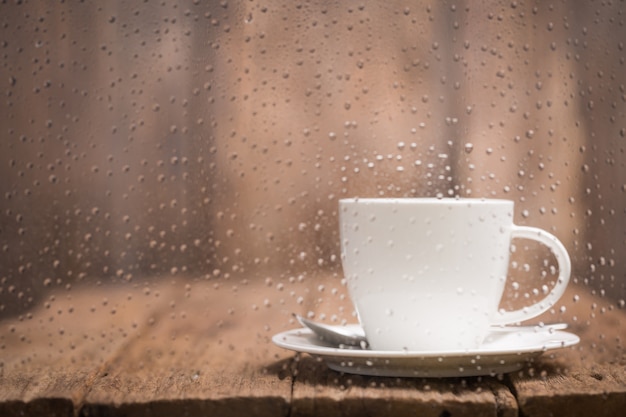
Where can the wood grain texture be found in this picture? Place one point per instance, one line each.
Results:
(318, 391)
(587, 379)
(187, 348)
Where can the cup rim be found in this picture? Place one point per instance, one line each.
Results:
(425, 201)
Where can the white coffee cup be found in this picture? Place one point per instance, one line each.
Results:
(428, 274)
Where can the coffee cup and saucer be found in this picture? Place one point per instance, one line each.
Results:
(426, 277)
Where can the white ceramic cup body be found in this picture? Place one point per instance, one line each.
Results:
(429, 274)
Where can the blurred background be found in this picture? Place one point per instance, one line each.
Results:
(212, 140)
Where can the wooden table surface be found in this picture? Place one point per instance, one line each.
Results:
(194, 347)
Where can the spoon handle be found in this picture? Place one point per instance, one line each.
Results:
(530, 328)
(335, 335)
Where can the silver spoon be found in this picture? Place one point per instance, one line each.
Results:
(336, 335)
(355, 336)
(530, 328)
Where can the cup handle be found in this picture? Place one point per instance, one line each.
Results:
(565, 269)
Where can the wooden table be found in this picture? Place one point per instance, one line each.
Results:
(189, 347)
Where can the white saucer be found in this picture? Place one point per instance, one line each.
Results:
(502, 352)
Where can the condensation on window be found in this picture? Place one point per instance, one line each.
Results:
(202, 147)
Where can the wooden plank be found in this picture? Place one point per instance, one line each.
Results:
(51, 357)
(598, 391)
(587, 379)
(53, 407)
(320, 391)
(193, 347)
(208, 353)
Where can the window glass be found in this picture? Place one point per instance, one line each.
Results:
(192, 147)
